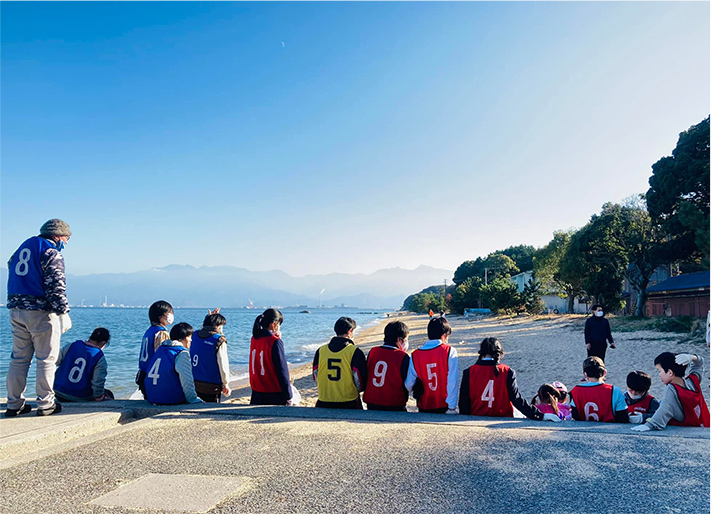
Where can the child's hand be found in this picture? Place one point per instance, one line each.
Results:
(684, 359)
(216, 311)
(641, 428)
(551, 417)
(612, 345)
(226, 390)
(636, 418)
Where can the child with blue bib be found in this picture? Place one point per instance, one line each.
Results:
(211, 366)
(161, 315)
(81, 370)
(169, 380)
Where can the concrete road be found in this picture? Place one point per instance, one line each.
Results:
(376, 462)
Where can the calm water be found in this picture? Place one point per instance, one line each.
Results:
(302, 335)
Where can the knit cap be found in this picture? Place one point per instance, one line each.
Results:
(55, 227)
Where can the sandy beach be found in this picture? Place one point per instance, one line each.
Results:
(539, 348)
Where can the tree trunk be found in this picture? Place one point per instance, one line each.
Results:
(641, 290)
(570, 304)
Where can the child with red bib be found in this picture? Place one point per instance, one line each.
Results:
(268, 369)
(490, 389)
(387, 370)
(637, 397)
(683, 403)
(594, 400)
(434, 371)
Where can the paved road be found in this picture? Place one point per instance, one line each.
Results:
(367, 463)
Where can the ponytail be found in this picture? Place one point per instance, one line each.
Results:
(550, 395)
(492, 346)
(264, 321)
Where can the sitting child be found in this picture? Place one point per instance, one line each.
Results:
(637, 397)
(169, 380)
(548, 401)
(564, 403)
(81, 372)
(594, 400)
(683, 403)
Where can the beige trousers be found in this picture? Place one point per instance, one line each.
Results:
(33, 333)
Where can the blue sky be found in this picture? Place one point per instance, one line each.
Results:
(377, 135)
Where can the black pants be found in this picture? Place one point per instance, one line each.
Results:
(140, 377)
(598, 350)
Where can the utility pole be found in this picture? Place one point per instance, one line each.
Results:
(486, 276)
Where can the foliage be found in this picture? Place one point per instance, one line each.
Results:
(423, 302)
(556, 275)
(501, 295)
(678, 197)
(436, 289)
(531, 297)
(467, 294)
(495, 264)
(521, 255)
(469, 269)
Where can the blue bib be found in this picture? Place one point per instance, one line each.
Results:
(162, 382)
(147, 346)
(203, 354)
(73, 377)
(24, 273)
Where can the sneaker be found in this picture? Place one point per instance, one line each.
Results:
(11, 413)
(54, 409)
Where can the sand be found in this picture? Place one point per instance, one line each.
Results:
(539, 348)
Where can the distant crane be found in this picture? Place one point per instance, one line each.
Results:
(319, 297)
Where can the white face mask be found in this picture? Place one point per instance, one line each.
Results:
(599, 314)
(169, 318)
(405, 345)
(635, 397)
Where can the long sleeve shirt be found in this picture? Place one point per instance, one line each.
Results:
(54, 284)
(452, 373)
(98, 376)
(359, 364)
(670, 406)
(515, 397)
(184, 369)
(597, 330)
(653, 405)
(223, 361)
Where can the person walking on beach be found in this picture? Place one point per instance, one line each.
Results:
(340, 369)
(597, 333)
(39, 314)
(268, 369)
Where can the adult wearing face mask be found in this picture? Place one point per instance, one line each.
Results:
(36, 297)
(597, 333)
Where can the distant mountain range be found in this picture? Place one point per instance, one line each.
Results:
(228, 286)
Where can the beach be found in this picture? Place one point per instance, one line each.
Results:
(541, 349)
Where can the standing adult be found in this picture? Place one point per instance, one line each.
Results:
(597, 333)
(36, 297)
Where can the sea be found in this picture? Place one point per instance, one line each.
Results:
(302, 334)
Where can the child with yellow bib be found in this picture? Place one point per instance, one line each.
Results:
(340, 369)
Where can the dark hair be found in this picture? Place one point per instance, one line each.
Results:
(549, 395)
(264, 320)
(492, 346)
(158, 310)
(594, 367)
(437, 327)
(639, 381)
(667, 361)
(100, 335)
(596, 307)
(214, 320)
(181, 331)
(344, 325)
(395, 330)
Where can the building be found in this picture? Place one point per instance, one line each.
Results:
(552, 301)
(683, 295)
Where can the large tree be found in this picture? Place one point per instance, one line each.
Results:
(522, 255)
(555, 274)
(678, 196)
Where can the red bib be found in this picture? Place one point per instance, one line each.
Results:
(385, 385)
(488, 393)
(641, 405)
(696, 412)
(432, 367)
(594, 403)
(262, 375)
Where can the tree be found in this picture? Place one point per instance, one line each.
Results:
(469, 269)
(531, 297)
(555, 274)
(499, 265)
(467, 294)
(501, 295)
(522, 255)
(678, 196)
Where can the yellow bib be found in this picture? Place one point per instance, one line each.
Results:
(335, 377)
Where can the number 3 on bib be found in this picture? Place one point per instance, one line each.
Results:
(488, 394)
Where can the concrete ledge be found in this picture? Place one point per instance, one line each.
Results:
(29, 433)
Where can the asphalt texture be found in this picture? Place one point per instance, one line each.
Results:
(314, 460)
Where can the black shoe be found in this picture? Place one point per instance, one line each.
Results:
(54, 409)
(11, 413)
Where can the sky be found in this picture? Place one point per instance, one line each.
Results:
(334, 137)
